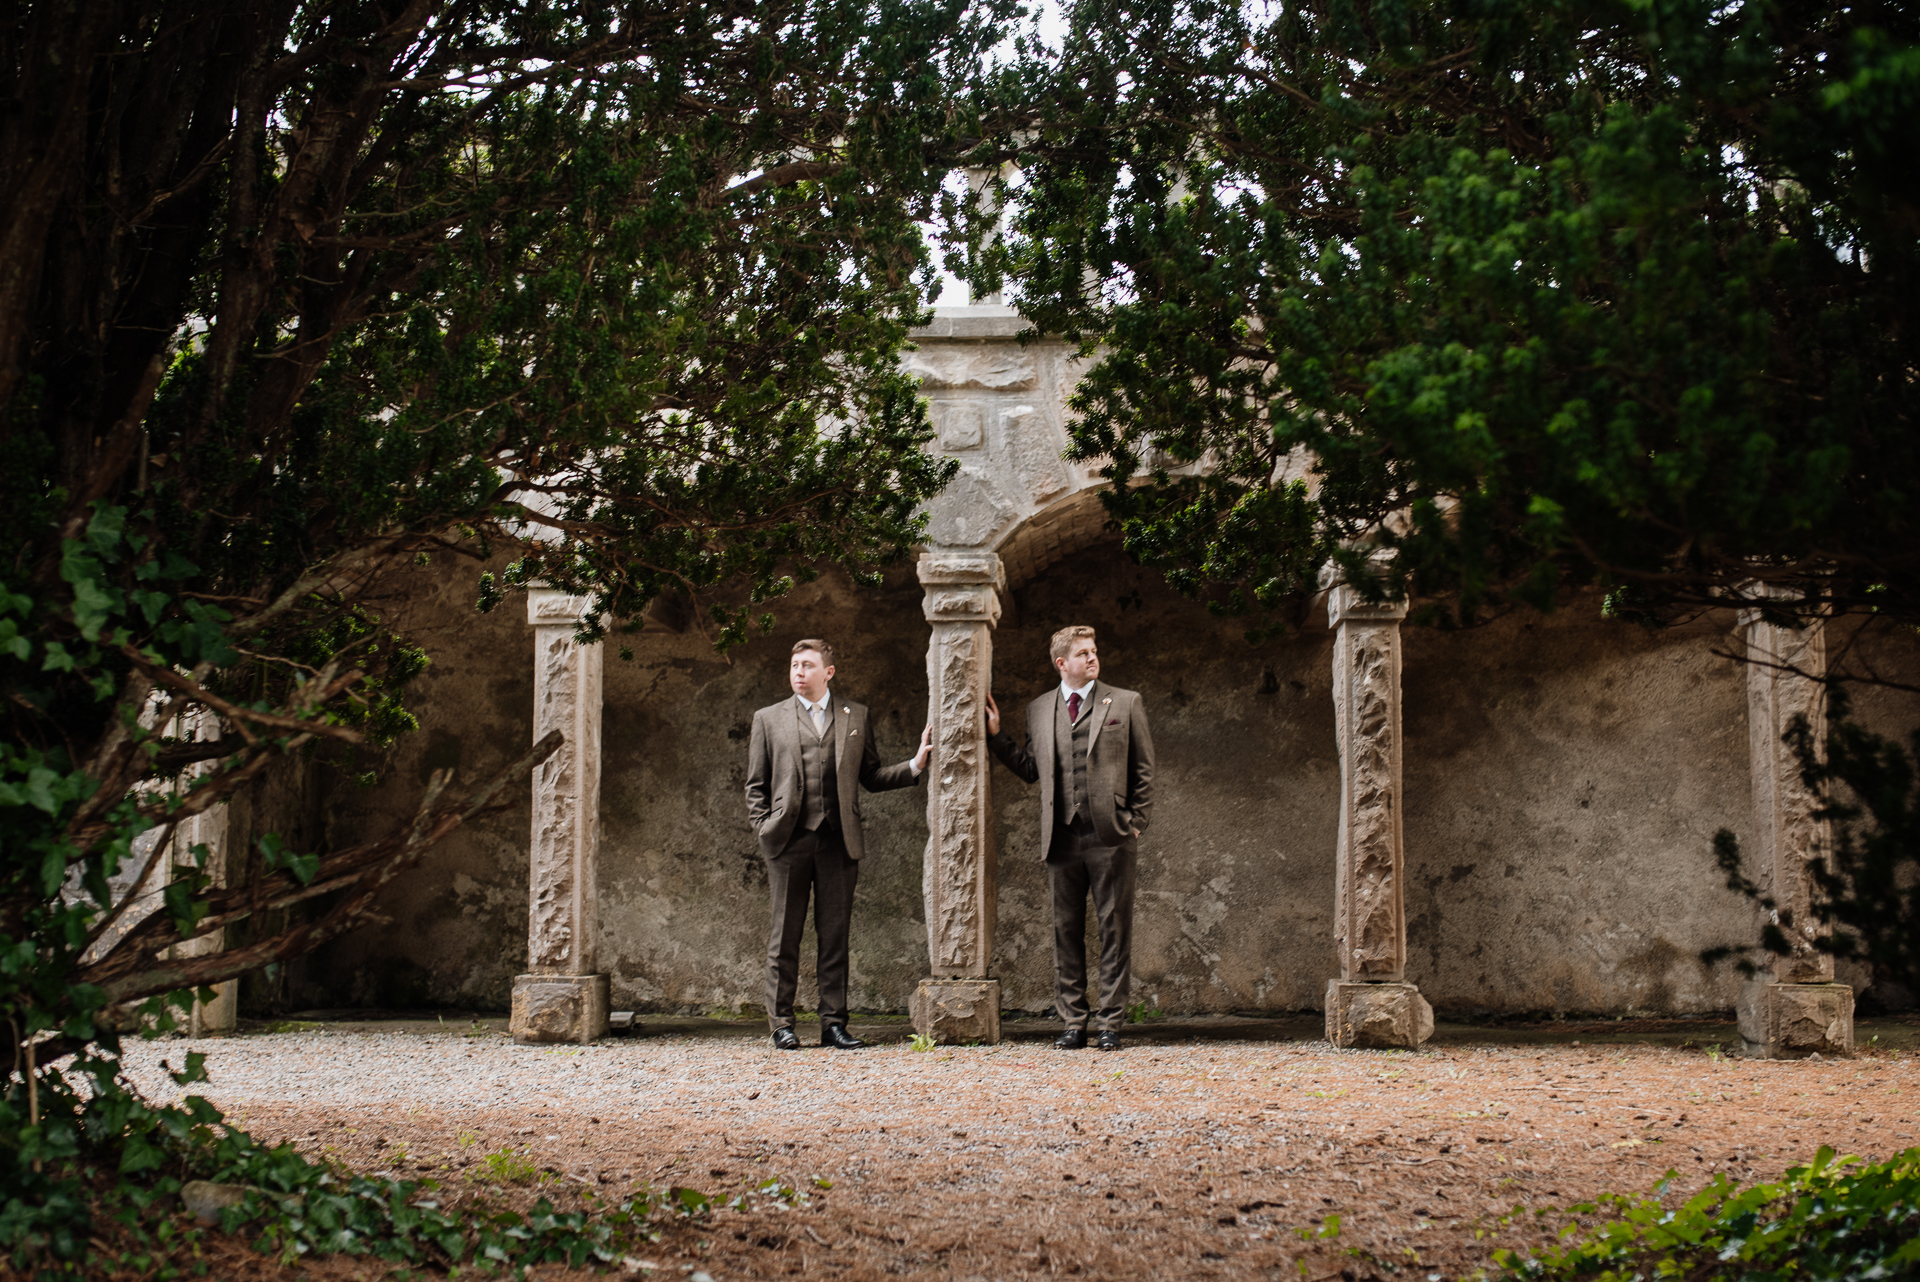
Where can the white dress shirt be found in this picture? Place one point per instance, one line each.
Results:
(818, 711)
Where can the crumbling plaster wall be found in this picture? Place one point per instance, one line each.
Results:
(456, 924)
(1564, 777)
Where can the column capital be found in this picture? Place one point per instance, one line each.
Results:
(939, 566)
(1755, 593)
(1345, 603)
(552, 608)
(962, 587)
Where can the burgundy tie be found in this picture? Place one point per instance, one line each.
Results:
(1073, 707)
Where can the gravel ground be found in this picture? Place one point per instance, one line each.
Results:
(1201, 1150)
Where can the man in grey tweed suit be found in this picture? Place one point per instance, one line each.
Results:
(1089, 750)
(808, 758)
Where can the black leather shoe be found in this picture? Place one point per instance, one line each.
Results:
(1109, 1040)
(785, 1039)
(1074, 1039)
(837, 1036)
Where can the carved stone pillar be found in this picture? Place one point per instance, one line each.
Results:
(563, 998)
(1370, 1004)
(960, 1003)
(208, 828)
(1797, 1009)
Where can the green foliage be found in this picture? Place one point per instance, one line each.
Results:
(1325, 1232)
(510, 1166)
(300, 298)
(81, 1215)
(922, 1043)
(1478, 301)
(1830, 1219)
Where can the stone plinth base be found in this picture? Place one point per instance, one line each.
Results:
(957, 1011)
(1378, 1016)
(1793, 1021)
(559, 1008)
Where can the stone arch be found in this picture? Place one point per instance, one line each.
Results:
(1074, 522)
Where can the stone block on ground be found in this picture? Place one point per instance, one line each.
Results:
(1793, 1021)
(559, 1008)
(957, 1011)
(1377, 1016)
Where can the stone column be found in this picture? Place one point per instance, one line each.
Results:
(208, 828)
(1370, 1004)
(1796, 1009)
(563, 998)
(960, 1003)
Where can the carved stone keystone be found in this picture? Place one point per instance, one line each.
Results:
(1370, 922)
(1799, 1009)
(563, 998)
(1377, 1015)
(960, 875)
(957, 1011)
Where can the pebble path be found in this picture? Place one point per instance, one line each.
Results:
(1177, 1157)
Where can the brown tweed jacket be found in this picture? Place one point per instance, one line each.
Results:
(1119, 761)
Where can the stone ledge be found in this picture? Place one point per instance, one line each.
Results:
(977, 320)
(1377, 1016)
(1344, 603)
(1793, 1021)
(550, 607)
(957, 1011)
(559, 1008)
(938, 566)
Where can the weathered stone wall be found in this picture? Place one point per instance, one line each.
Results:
(1563, 778)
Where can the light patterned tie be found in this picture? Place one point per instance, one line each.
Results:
(819, 719)
(1073, 707)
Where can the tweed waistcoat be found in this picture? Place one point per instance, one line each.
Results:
(1070, 762)
(820, 807)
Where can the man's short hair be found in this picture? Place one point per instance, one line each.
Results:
(816, 644)
(1062, 644)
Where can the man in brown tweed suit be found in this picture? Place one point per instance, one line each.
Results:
(809, 756)
(1089, 750)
